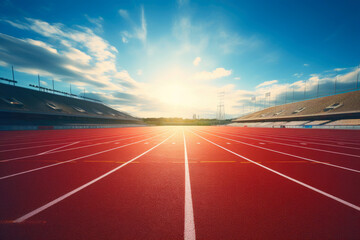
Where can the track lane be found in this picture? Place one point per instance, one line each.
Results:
(29, 191)
(342, 136)
(125, 205)
(7, 139)
(345, 162)
(336, 181)
(53, 159)
(233, 201)
(337, 149)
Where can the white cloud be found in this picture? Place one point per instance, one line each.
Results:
(196, 61)
(123, 13)
(97, 22)
(217, 73)
(43, 83)
(267, 83)
(77, 56)
(138, 31)
(298, 75)
(182, 2)
(237, 78)
(306, 65)
(43, 45)
(339, 69)
(17, 25)
(139, 72)
(142, 31)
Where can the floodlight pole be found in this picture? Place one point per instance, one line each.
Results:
(70, 88)
(357, 78)
(12, 69)
(53, 85)
(335, 84)
(39, 81)
(317, 91)
(305, 90)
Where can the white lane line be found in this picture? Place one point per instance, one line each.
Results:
(291, 145)
(301, 140)
(23, 148)
(189, 223)
(288, 154)
(70, 149)
(38, 146)
(287, 177)
(58, 148)
(197, 143)
(74, 159)
(84, 139)
(55, 201)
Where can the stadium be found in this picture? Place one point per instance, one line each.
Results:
(147, 151)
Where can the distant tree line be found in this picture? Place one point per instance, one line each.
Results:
(180, 121)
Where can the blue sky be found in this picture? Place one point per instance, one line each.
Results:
(171, 58)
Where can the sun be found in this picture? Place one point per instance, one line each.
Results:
(173, 94)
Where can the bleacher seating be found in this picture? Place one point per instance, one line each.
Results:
(336, 110)
(340, 103)
(18, 100)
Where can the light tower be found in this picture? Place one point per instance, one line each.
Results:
(220, 112)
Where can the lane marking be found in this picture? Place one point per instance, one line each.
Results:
(70, 149)
(217, 161)
(98, 161)
(189, 223)
(67, 139)
(74, 159)
(262, 143)
(291, 145)
(58, 148)
(346, 203)
(288, 154)
(59, 199)
(197, 143)
(301, 138)
(228, 143)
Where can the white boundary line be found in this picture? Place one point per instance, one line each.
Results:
(74, 159)
(314, 149)
(292, 140)
(51, 150)
(325, 139)
(288, 154)
(70, 149)
(55, 201)
(346, 203)
(189, 223)
(84, 139)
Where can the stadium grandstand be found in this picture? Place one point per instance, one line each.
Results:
(21, 107)
(336, 111)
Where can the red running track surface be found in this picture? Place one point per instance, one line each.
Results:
(180, 183)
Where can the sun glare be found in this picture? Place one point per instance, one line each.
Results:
(173, 94)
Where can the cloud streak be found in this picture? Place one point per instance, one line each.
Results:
(137, 31)
(217, 73)
(267, 83)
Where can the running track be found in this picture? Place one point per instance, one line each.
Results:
(180, 183)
